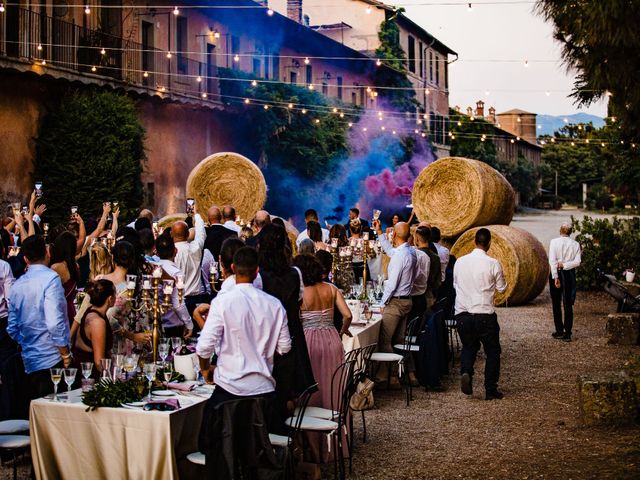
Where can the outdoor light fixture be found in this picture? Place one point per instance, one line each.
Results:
(306, 60)
(254, 83)
(199, 79)
(176, 12)
(103, 52)
(236, 58)
(145, 74)
(87, 10)
(378, 62)
(169, 55)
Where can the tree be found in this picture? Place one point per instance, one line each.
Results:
(393, 73)
(467, 135)
(600, 42)
(90, 150)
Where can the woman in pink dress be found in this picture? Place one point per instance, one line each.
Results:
(323, 340)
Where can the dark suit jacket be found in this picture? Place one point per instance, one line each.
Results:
(216, 235)
(255, 240)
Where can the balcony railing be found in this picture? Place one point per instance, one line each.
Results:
(29, 36)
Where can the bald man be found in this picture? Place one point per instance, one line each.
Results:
(229, 219)
(396, 298)
(217, 233)
(188, 259)
(564, 258)
(261, 219)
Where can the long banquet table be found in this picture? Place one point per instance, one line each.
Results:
(69, 443)
(363, 334)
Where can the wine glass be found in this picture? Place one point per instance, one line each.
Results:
(118, 360)
(163, 351)
(176, 343)
(150, 373)
(69, 378)
(129, 365)
(368, 313)
(87, 369)
(168, 372)
(196, 368)
(56, 376)
(106, 367)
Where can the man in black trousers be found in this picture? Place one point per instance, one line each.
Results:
(476, 277)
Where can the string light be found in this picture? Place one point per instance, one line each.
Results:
(204, 95)
(266, 107)
(526, 63)
(547, 93)
(602, 144)
(236, 58)
(103, 52)
(93, 69)
(335, 110)
(364, 129)
(311, 86)
(608, 93)
(270, 12)
(44, 62)
(169, 55)
(254, 83)
(87, 10)
(378, 62)
(304, 111)
(39, 47)
(199, 79)
(393, 132)
(246, 100)
(176, 12)
(317, 120)
(469, 8)
(145, 74)
(216, 34)
(1, 7)
(350, 124)
(163, 89)
(306, 60)
(290, 106)
(341, 115)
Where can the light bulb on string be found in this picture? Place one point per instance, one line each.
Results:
(469, 8)
(254, 83)
(307, 61)
(103, 51)
(176, 12)
(393, 132)
(304, 111)
(453, 137)
(39, 47)
(608, 93)
(378, 62)
(266, 107)
(423, 135)
(87, 10)
(290, 105)
(204, 95)
(169, 55)
(341, 115)
(311, 86)
(383, 128)
(368, 89)
(602, 144)
(526, 63)
(553, 140)
(145, 74)
(93, 68)
(199, 79)
(547, 93)
(586, 141)
(416, 131)
(350, 124)
(427, 92)
(518, 139)
(459, 123)
(317, 120)
(573, 144)
(216, 34)
(236, 58)
(44, 62)
(335, 110)
(1, 7)
(513, 141)
(246, 101)
(364, 129)
(269, 12)
(486, 93)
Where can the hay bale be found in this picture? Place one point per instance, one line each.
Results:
(456, 194)
(167, 221)
(227, 179)
(523, 259)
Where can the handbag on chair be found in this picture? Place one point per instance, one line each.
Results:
(362, 398)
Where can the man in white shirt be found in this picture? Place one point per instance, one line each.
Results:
(229, 218)
(189, 259)
(443, 252)
(476, 277)
(177, 321)
(397, 295)
(564, 258)
(311, 215)
(245, 328)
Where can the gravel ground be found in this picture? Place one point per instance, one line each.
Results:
(534, 432)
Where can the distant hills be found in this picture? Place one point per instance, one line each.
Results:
(551, 123)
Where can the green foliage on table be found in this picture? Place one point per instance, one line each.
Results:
(600, 43)
(291, 138)
(107, 393)
(175, 376)
(609, 245)
(90, 149)
(395, 72)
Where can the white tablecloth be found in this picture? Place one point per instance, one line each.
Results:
(363, 335)
(113, 443)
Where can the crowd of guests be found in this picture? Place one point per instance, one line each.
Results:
(277, 295)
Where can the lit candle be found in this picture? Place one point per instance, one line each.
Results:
(109, 235)
(131, 285)
(365, 236)
(180, 282)
(213, 268)
(146, 284)
(334, 242)
(167, 289)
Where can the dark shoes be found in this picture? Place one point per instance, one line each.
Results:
(557, 335)
(466, 384)
(494, 395)
(566, 337)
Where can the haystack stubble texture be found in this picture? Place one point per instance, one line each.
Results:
(456, 194)
(227, 179)
(166, 222)
(523, 259)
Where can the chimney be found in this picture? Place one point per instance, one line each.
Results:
(469, 112)
(492, 115)
(294, 10)
(480, 109)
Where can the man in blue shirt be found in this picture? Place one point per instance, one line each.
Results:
(38, 318)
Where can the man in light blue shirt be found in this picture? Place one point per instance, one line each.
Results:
(397, 296)
(38, 318)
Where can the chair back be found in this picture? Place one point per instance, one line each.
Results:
(340, 389)
(411, 330)
(363, 360)
(302, 403)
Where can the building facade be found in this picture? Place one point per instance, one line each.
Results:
(167, 58)
(356, 24)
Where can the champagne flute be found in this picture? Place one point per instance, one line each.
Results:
(368, 313)
(176, 343)
(129, 365)
(163, 351)
(56, 376)
(106, 368)
(69, 378)
(168, 372)
(150, 373)
(87, 369)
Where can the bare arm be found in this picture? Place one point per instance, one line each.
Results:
(106, 209)
(98, 336)
(344, 309)
(82, 233)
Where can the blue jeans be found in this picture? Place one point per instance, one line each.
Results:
(476, 329)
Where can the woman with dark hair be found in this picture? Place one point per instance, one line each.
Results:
(292, 372)
(131, 236)
(357, 261)
(63, 262)
(314, 230)
(323, 341)
(95, 337)
(338, 231)
(395, 218)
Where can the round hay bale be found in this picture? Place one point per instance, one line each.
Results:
(167, 221)
(227, 179)
(456, 194)
(523, 259)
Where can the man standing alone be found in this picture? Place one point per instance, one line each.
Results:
(476, 277)
(564, 258)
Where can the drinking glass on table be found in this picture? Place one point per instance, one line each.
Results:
(129, 365)
(163, 351)
(106, 367)
(168, 372)
(56, 376)
(176, 343)
(368, 313)
(69, 378)
(87, 369)
(150, 373)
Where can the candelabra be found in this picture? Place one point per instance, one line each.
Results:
(45, 231)
(154, 299)
(364, 248)
(213, 276)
